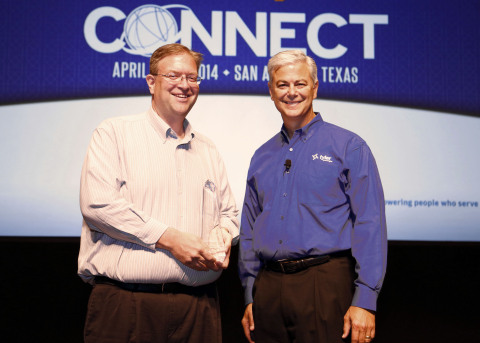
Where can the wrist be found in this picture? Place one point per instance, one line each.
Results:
(165, 240)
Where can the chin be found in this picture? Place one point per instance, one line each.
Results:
(184, 109)
(293, 113)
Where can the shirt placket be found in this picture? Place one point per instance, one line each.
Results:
(284, 195)
(180, 164)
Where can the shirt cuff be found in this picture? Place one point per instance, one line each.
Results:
(230, 226)
(248, 290)
(365, 298)
(151, 233)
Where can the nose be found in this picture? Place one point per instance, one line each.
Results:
(292, 91)
(183, 82)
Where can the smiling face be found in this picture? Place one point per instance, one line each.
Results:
(173, 100)
(293, 90)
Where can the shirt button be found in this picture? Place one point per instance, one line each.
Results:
(281, 217)
(291, 149)
(280, 241)
(284, 194)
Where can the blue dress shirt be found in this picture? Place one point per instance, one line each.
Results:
(329, 199)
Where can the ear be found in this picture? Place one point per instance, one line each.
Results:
(151, 83)
(315, 87)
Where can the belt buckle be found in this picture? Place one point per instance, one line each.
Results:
(289, 267)
(295, 266)
(302, 265)
(281, 264)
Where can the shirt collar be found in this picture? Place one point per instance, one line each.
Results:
(165, 131)
(305, 132)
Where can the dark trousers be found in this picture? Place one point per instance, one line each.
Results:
(307, 306)
(116, 315)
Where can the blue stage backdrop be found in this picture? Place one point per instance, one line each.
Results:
(404, 75)
(414, 53)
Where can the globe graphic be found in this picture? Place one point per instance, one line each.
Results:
(149, 27)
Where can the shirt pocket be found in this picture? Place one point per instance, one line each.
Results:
(321, 183)
(210, 209)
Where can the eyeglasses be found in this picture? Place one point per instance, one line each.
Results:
(176, 78)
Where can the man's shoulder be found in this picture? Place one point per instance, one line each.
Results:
(271, 143)
(338, 130)
(340, 134)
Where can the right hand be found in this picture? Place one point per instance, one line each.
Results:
(189, 249)
(247, 322)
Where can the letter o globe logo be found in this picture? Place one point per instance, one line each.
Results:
(145, 29)
(148, 27)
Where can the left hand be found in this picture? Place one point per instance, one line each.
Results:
(361, 323)
(189, 249)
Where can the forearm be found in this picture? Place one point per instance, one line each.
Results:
(120, 220)
(102, 203)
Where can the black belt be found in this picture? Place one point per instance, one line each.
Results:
(172, 287)
(294, 266)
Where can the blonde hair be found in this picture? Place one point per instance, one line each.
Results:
(173, 49)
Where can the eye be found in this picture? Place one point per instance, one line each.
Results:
(173, 76)
(192, 78)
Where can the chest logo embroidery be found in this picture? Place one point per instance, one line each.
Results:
(323, 158)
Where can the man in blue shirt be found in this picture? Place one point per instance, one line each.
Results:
(313, 240)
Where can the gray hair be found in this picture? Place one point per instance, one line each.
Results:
(289, 57)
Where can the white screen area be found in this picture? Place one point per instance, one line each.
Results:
(428, 160)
